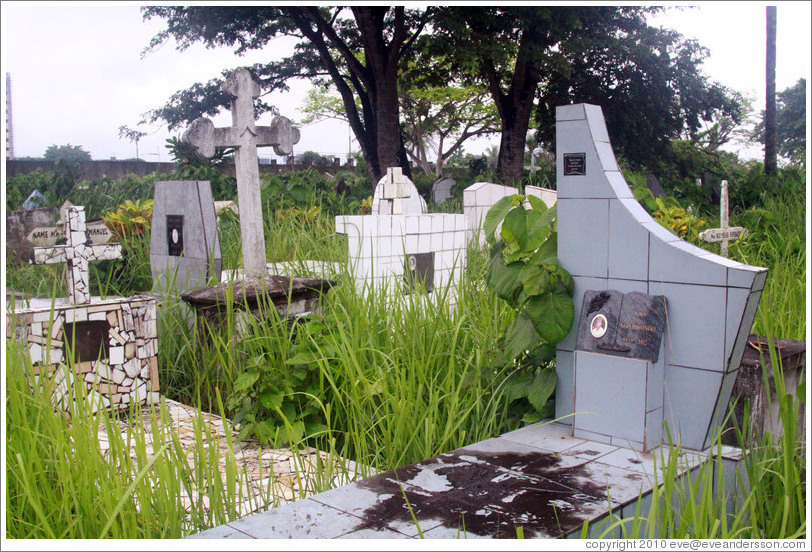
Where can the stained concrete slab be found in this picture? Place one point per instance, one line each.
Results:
(539, 478)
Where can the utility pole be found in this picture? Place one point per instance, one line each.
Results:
(770, 131)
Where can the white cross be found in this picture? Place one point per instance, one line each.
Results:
(245, 136)
(725, 233)
(77, 253)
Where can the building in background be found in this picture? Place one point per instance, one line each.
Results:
(9, 127)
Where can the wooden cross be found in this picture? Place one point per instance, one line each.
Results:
(78, 252)
(245, 136)
(723, 234)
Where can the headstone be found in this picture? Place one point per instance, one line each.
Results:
(395, 194)
(653, 184)
(77, 253)
(724, 233)
(20, 226)
(441, 190)
(611, 246)
(184, 244)
(245, 136)
(34, 201)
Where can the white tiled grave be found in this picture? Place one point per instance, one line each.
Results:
(114, 342)
(538, 477)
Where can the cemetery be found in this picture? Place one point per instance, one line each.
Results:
(574, 356)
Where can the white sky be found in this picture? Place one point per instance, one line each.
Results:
(77, 72)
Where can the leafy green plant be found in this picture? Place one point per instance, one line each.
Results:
(524, 271)
(132, 218)
(681, 221)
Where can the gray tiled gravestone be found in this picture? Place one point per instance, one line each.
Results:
(608, 242)
(184, 245)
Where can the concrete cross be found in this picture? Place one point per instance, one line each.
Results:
(725, 233)
(245, 136)
(77, 254)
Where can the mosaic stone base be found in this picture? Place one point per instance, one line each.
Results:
(114, 343)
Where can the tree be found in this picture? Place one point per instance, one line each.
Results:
(67, 153)
(132, 135)
(790, 123)
(647, 80)
(770, 135)
(359, 49)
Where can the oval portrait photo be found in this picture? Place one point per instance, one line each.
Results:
(598, 326)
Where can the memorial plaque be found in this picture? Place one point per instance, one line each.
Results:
(419, 271)
(88, 340)
(174, 234)
(629, 325)
(574, 164)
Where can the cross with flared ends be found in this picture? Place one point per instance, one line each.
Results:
(77, 253)
(245, 136)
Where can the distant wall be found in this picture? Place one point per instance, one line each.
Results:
(92, 170)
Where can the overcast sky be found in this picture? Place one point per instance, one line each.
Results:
(77, 73)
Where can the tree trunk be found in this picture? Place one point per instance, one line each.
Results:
(770, 132)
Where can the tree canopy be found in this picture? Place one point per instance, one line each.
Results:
(66, 153)
(529, 59)
(790, 123)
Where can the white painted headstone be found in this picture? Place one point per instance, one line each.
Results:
(77, 253)
(245, 136)
(397, 195)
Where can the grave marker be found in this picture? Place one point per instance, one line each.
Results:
(77, 253)
(725, 233)
(395, 194)
(614, 250)
(184, 245)
(245, 136)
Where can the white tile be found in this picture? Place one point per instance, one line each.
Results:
(412, 224)
(436, 241)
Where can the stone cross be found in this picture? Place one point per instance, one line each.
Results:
(77, 253)
(245, 136)
(724, 233)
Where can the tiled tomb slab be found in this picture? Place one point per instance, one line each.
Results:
(114, 342)
(484, 490)
(607, 241)
(380, 246)
(184, 248)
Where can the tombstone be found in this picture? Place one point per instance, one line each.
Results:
(441, 190)
(395, 194)
(724, 233)
(245, 136)
(628, 270)
(184, 248)
(34, 201)
(114, 341)
(549, 197)
(653, 184)
(477, 200)
(20, 225)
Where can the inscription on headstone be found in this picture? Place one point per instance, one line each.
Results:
(87, 340)
(574, 164)
(419, 271)
(629, 325)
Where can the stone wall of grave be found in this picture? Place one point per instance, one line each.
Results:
(123, 329)
(378, 245)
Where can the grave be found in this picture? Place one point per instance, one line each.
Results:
(20, 225)
(676, 318)
(114, 341)
(407, 249)
(395, 194)
(184, 248)
(480, 197)
(724, 234)
(441, 190)
(245, 136)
